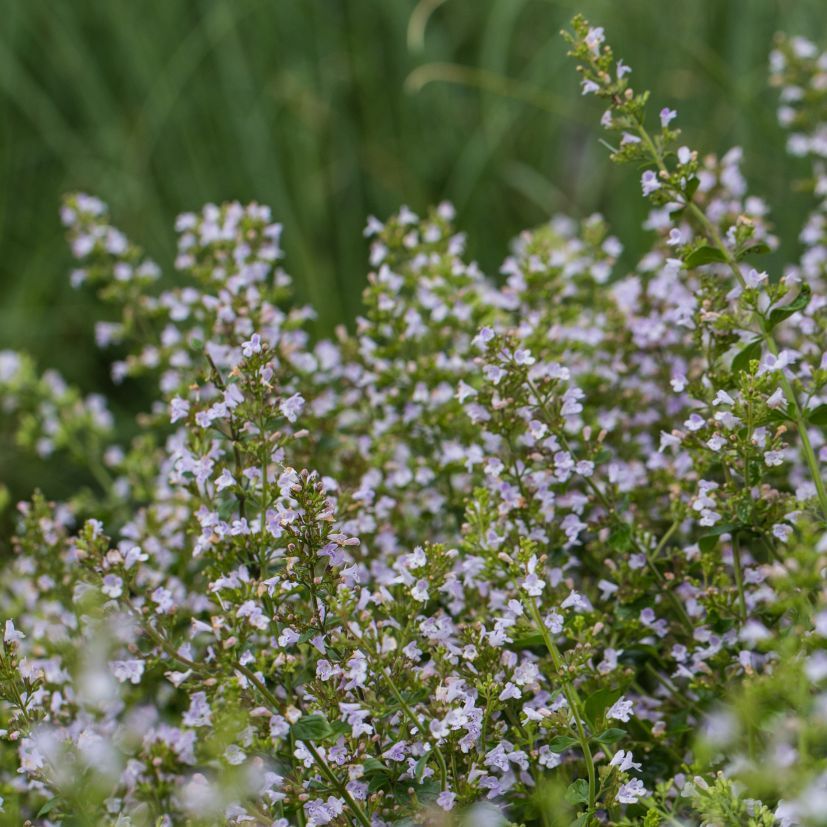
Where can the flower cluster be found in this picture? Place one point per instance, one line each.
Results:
(538, 550)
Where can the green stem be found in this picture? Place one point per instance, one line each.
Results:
(714, 237)
(572, 698)
(164, 644)
(610, 509)
(664, 540)
(739, 575)
(650, 805)
(323, 766)
(411, 716)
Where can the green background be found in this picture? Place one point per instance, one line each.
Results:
(329, 110)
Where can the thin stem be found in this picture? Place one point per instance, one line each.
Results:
(650, 805)
(411, 716)
(714, 237)
(164, 644)
(271, 699)
(664, 540)
(572, 698)
(605, 502)
(739, 575)
(323, 766)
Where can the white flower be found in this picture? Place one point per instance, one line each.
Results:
(112, 585)
(695, 422)
(773, 458)
(575, 601)
(416, 559)
(446, 799)
(624, 761)
(716, 442)
(11, 635)
(252, 346)
(292, 407)
(594, 39)
(225, 480)
(621, 710)
(178, 409)
(754, 279)
(649, 182)
(127, 670)
(631, 792)
(532, 583)
(667, 116)
(234, 755)
(782, 531)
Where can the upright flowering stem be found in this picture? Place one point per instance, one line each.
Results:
(610, 508)
(739, 575)
(714, 238)
(411, 716)
(572, 698)
(350, 520)
(323, 766)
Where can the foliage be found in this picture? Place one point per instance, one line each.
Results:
(544, 552)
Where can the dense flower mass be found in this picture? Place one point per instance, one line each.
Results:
(541, 550)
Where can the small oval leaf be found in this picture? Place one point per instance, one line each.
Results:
(561, 743)
(818, 416)
(742, 359)
(578, 792)
(610, 736)
(796, 305)
(598, 702)
(704, 255)
(311, 728)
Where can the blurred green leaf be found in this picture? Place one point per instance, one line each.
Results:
(311, 728)
(704, 255)
(797, 304)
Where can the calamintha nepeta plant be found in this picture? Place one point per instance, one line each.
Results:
(549, 551)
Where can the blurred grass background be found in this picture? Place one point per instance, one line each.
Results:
(329, 110)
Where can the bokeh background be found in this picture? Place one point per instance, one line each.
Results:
(330, 110)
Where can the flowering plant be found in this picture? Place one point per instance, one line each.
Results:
(544, 551)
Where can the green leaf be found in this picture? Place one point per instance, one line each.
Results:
(759, 249)
(798, 303)
(704, 255)
(531, 641)
(419, 769)
(691, 187)
(610, 736)
(708, 542)
(779, 415)
(818, 416)
(677, 724)
(710, 539)
(743, 511)
(742, 359)
(311, 728)
(427, 791)
(379, 781)
(48, 807)
(339, 728)
(598, 702)
(620, 538)
(578, 792)
(561, 743)
(373, 765)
